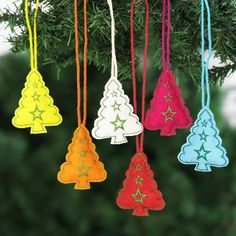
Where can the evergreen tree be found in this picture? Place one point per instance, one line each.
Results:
(56, 41)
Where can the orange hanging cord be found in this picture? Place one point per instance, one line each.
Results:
(78, 63)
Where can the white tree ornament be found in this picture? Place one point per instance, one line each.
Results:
(116, 118)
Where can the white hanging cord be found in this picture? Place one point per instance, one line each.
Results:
(113, 47)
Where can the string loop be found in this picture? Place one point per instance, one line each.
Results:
(205, 75)
(140, 138)
(166, 42)
(113, 50)
(78, 63)
(32, 34)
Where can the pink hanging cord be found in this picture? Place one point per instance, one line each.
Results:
(139, 139)
(166, 43)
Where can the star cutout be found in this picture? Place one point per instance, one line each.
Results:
(168, 97)
(83, 169)
(202, 153)
(37, 114)
(203, 136)
(138, 196)
(169, 114)
(81, 140)
(204, 123)
(138, 180)
(82, 153)
(116, 106)
(35, 85)
(118, 123)
(167, 85)
(114, 94)
(139, 167)
(36, 97)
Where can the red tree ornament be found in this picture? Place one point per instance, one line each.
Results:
(167, 112)
(140, 191)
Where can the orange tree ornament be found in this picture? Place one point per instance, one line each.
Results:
(82, 164)
(36, 109)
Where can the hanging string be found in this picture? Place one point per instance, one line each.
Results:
(140, 138)
(78, 63)
(205, 75)
(32, 35)
(113, 50)
(166, 43)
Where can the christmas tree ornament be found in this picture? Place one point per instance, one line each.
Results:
(36, 109)
(204, 145)
(82, 164)
(167, 111)
(116, 119)
(140, 191)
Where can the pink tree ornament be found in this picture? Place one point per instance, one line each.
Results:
(167, 111)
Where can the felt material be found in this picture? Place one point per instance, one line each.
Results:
(167, 111)
(82, 164)
(140, 191)
(204, 145)
(36, 109)
(115, 117)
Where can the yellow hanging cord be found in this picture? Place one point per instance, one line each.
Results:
(32, 35)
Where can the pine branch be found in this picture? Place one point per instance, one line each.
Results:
(56, 34)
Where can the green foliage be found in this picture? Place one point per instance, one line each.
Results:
(56, 34)
(34, 203)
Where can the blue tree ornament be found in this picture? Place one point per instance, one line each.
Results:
(204, 145)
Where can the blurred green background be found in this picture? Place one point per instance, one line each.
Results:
(34, 203)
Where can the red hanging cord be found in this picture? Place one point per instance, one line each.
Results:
(166, 43)
(139, 139)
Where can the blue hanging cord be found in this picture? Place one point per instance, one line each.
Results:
(205, 74)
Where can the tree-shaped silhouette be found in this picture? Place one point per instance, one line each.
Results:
(82, 164)
(140, 191)
(36, 109)
(167, 111)
(116, 119)
(204, 145)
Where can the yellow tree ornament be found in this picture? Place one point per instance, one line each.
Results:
(82, 164)
(36, 109)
